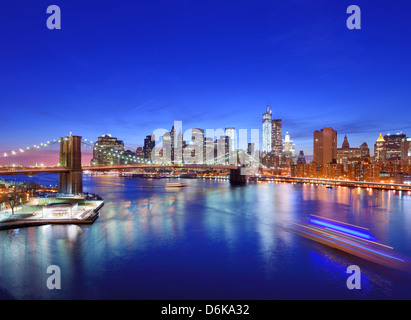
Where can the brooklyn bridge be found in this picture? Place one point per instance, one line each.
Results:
(70, 168)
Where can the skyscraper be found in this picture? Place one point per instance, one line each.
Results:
(345, 153)
(267, 131)
(288, 147)
(406, 149)
(301, 158)
(365, 151)
(107, 150)
(197, 145)
(276, 137)
(393, 145)
(232, 140)
(380, 149)
(325, 146)
(149, 144)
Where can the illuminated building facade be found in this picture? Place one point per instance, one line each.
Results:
(149, 144)
(393, 145)
(345, 153)
(325, 146)
(267, 132)
(380, 149)
(276, 137)
(107, 150)
(406, 149)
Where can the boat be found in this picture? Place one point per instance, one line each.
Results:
(329, 187)
(353, 240)
(176, 185)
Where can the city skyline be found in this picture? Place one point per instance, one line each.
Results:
(210, 151)
(150, 70)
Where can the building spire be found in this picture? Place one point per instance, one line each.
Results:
(380, 138)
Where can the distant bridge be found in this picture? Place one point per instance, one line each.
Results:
(70, 170)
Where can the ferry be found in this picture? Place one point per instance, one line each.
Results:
(353, 240)
(176, 185)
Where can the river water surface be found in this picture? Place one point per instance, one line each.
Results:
(206, 241)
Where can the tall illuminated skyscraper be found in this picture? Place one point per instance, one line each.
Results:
(288, 146)
(380, 149)
(231, 134)
(267, 131)
(277, 140)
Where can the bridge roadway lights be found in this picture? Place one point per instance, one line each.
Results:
(70, 157)
(236, 178)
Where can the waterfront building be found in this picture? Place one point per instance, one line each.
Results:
(345, 153)
(139, 153)
(325, 146)
(380, 149)
(393, 145)
(107, 150)
(267, 131)
(406, 148)
(128, 157)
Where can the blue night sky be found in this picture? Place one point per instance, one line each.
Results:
(130, 67)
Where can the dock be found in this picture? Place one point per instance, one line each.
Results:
(83, 218)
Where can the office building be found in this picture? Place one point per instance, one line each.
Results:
(345, 153)
(149, 144)
(406, 149)
(365, 151)
(301, 158)
(232, 139)
(325, 146)
(267, 131)
(393, 145)
(107, 150)
(380, 149)
(276, 137)
(288, 147)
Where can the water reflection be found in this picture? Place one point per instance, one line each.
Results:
(150, 242)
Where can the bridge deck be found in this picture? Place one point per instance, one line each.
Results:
(44, 170)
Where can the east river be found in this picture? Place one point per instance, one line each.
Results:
(206, 241)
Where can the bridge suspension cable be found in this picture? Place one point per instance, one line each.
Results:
(28, 149)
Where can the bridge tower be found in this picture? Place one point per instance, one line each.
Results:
(237, 176)
(70, 157)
